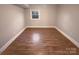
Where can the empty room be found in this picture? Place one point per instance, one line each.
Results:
(39, 29)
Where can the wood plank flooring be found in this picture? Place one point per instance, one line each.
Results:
(41, 41)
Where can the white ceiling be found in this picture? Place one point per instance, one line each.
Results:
(28, 5)
(23, 5)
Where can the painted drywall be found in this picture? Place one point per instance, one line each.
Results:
(47, 15)
(11, 22)
(68, 20)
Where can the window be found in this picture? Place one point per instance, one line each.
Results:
(35, 15)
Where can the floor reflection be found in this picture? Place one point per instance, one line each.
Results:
(36, 37)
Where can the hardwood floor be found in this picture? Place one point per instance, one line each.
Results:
(42, 41)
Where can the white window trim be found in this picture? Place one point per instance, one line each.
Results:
(31, 14)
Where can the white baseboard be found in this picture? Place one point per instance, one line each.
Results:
(10, 41)
(70, 38)
(40, 27)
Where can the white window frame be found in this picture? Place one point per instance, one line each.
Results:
(31, 14)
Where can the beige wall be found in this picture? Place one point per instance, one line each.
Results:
(68, 20)
(11, 22)
(47, 15)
